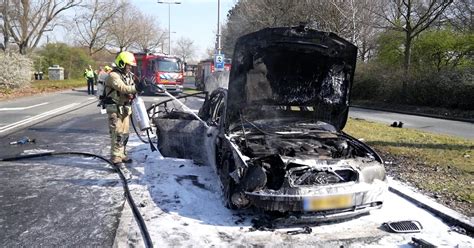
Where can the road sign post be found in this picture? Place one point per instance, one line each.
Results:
(219, 62)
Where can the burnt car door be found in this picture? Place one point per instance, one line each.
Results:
(213, 113)
(182, 135)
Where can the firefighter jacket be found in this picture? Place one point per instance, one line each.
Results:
(119, 90)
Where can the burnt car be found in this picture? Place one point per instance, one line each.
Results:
(275, 136)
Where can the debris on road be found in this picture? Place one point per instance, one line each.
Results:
(22, 141)
(418, 242)
(457, 229)
(303, 230)
(397, 124)
(262, 224)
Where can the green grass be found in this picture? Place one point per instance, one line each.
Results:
(58, 84)
(190, 91)
(436, 149)
(438, 163)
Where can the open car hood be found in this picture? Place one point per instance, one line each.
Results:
(295, 73)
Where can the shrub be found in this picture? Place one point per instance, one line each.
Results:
(373, 81)
(450, 89)
(366, 82)
(16, 70)
(74, 60)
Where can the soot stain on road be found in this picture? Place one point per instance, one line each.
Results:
(194, 180)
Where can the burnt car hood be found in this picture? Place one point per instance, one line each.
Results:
(291, 73)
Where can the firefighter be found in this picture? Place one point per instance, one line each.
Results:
(89, 75)
(119, 92)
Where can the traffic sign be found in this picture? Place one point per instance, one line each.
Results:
(219, 62)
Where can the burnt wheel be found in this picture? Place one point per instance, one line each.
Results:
(227, 181)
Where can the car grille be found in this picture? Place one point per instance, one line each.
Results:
(319, 177)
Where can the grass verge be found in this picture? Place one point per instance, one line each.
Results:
(46, 85)
(190, 91)
(441, 165)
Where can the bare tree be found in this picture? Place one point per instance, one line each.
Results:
(27, 20)
(4, 7)
(461, 15)
(185, 48)
(209, 52)
(336, 16)
(150, 36)
(411, 17)
(251, 15)
(356, 19)
(123, 28)
(92, 22)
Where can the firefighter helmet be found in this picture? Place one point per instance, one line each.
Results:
(107, 68)
(125, 58)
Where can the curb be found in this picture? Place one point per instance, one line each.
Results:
(446, 214)
(413, 113)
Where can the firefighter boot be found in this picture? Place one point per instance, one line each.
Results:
(127, 160)
(126, 173)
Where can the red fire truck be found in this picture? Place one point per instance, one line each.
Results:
(206, 68)
(160, 69)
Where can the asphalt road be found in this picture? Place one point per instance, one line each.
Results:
(433, 125)
(18, 113)
(57, 201)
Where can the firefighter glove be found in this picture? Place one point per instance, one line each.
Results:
(140, 86)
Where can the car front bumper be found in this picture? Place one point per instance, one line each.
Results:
(327, 202)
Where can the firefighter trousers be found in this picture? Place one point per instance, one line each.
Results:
(119, 124)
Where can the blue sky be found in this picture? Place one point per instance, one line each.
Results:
(194, 19)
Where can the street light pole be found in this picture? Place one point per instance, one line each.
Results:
(169, 28)
(219, 48)
(169, 22)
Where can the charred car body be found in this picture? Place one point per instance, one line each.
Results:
(274, 137)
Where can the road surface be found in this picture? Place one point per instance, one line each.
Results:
(433, 125)
(61, 201)
(79, 201)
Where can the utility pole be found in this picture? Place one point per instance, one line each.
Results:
(169, 22)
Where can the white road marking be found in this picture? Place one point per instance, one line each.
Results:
(36, 117)
(23, 108)
(90, 98)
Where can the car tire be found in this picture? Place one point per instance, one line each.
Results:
(229, 185)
